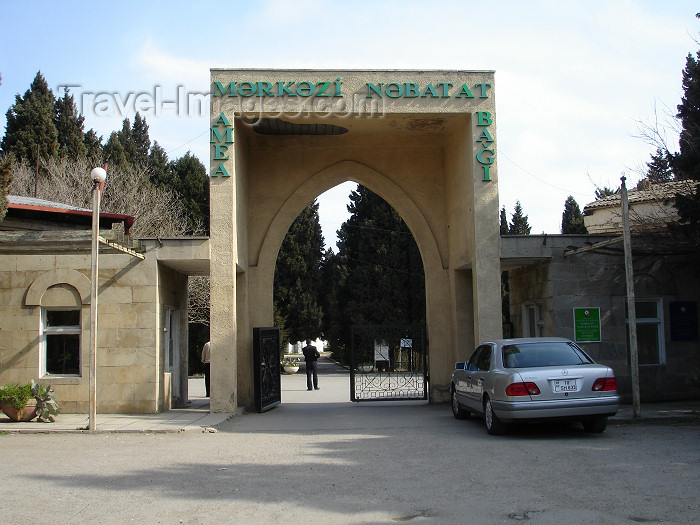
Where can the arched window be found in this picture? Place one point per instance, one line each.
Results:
(60, 347)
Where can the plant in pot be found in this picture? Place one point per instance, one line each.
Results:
(14, 402)
(290, 366)
(25, 402)
(365, 367)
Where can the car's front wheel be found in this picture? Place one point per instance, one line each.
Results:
(494, 426)
(457, 410)
(596, 425)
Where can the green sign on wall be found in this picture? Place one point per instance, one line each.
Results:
(587, 325)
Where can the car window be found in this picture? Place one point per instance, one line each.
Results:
(484, 362)
(545, 353)
(480, 359)
(473, 360)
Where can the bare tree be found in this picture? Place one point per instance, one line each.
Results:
(655, 133)
(198, 299)
(128, 190)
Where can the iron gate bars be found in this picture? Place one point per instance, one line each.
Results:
(388, 363)
(266, 368)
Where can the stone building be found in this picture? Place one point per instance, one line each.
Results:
(45, 308)
(552, 275)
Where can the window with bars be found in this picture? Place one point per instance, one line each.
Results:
(60, 341)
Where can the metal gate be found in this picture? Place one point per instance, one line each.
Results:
(388, 363)
(266, 368)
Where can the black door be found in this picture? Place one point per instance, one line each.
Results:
(266, 367)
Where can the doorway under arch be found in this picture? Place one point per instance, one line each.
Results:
(365, 300)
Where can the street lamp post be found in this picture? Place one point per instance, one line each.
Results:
(98, 176)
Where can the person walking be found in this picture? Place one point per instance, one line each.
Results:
(206, 358)
(311, 356)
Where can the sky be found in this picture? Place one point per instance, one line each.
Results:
(576, 82)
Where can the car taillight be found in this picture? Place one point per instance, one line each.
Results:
(522, 389)
(604, 384)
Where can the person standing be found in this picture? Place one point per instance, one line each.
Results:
(206, 358)
(311, 356)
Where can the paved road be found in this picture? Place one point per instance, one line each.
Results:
(318, 459)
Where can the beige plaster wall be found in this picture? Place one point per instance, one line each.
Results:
(418, 154)
(644, 216)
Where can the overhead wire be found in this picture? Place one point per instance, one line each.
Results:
(500, 153)
(186, 143)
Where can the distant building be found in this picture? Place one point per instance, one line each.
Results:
(651, 208)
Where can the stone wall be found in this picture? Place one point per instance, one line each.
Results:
(133, 296)
(597, 279)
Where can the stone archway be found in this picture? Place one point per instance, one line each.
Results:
(422, 157)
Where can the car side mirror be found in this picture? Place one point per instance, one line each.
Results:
(460, 366)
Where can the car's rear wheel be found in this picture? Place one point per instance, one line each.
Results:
(596, 425)
(457, 410)
(494, 426)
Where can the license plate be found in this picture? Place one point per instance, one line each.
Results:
(564, 385)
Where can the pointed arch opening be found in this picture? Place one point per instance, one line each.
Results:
(373, 277)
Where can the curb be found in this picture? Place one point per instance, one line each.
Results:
(658, 420)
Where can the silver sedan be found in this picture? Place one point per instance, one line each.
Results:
(533, 379)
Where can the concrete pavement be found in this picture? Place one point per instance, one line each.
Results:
(195, 416)
(327, 408)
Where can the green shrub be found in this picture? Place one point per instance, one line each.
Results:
(16, 395)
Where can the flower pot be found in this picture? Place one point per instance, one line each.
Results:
(27, 414)
(290, 369)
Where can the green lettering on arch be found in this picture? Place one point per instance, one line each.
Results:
(218, 90)
(379, 90)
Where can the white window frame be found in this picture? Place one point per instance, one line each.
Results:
(658, 321)
(45, 331)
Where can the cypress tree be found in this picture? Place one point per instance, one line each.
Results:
(385, 282)
(333, 278)
(141, 141)
(30, 124)
(504, 221)
(298, 277)
(129, 146)
(188, 178)
(93, 145)
(658, 169)
(70, 127)
(601, 193)
(686, 163)
(158, 165)
(572, 218)
(519, 224)
(119, 150)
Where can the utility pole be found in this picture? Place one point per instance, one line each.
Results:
(631, 305)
